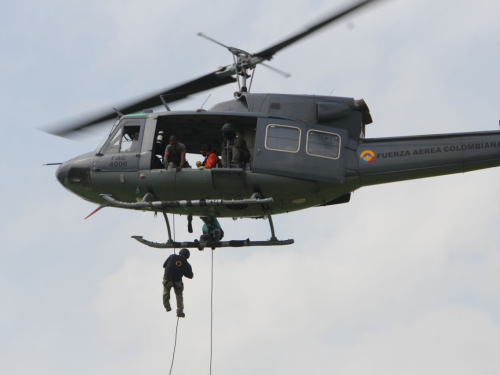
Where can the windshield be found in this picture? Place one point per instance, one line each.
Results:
(98, 148)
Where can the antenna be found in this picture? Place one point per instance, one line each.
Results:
(118, 112)
(165, 103)
(205, 101)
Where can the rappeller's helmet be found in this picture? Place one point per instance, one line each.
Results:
(228, 130)
(185, 253)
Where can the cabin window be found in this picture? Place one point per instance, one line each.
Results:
(323, 144)
(282, 138)
(126, 140)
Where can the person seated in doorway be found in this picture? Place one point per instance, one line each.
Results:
(175, 155)
(211, 158)
(212, 231)
(235, 146)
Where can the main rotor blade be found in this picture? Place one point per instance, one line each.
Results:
(182, 91)
(269, 52)
(281, 72)
(212, 40)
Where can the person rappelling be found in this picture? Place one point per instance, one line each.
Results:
(176, 266)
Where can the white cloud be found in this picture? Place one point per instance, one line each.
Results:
(450, 339)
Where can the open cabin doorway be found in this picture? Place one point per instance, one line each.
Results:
(193, 130)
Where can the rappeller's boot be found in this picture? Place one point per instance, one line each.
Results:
(180, 314)
(198, 244)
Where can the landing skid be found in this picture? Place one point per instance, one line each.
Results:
(170, 244)
(210, 244)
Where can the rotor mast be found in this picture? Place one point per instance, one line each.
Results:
(243, 61)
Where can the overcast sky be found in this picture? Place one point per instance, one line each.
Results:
(402, 280)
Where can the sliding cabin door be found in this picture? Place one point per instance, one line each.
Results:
(299, 150)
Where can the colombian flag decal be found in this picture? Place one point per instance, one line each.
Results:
(367, 156)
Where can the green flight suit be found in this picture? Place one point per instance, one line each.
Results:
(239, 151)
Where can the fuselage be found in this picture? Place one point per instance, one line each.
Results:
(299, 160)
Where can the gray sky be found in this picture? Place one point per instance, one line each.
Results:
(402, 280)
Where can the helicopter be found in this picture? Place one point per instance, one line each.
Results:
(305, 151)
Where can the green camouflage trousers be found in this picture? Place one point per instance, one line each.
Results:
(178, 289)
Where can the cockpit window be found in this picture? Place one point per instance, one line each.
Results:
(126, 140)
(103, 142)
(114, 145)
(130, 139)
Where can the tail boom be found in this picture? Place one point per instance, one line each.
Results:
(385, 160)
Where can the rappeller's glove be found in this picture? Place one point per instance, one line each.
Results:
(198, 163)
(201, 168)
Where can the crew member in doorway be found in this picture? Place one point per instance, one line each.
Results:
(175, 155)
(237, 146)
(211, 158)
(176, 266)
(212, 231)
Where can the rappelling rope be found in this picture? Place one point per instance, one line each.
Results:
(175, 345)
(177, 325)
(211, 300)
(211, 310)
(173, 214)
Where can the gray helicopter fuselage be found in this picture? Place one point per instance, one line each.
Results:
(306, 151)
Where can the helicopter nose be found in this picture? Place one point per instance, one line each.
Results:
(62, 172)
